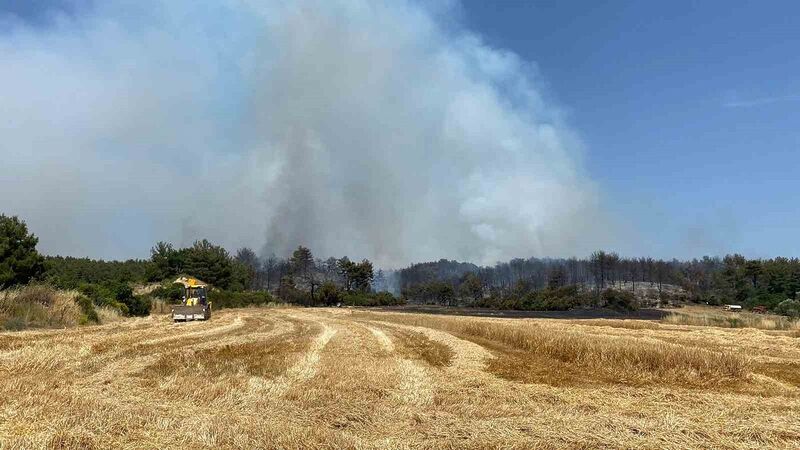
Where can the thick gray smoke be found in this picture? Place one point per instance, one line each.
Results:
(369, 128)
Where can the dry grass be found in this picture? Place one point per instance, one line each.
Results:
(717, 317)
(331, 378)
(616, 356)
(38, 306)
(621, 323)
(160, 306)
(107, 314)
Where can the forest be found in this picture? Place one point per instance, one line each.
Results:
(604, 279)
(534, 282)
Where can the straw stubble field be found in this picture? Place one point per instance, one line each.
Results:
(323, 378)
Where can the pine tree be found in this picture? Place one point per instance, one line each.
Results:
(19, 260)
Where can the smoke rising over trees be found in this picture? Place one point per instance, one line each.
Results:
(270, 125)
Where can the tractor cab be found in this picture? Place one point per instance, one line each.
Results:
(194, 302)
(193, 296)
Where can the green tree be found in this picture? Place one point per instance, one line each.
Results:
(210, 263)
(472, 287)
(303, 268)
(558, 278)
(19, 260)
(165, 262)
(752, 270)
(249, 265)
(599, 267)
(362, 275)
(736, 283)
(346, 269)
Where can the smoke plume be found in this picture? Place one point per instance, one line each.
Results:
(378, 129)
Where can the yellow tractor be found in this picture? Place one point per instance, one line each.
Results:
(194, 304)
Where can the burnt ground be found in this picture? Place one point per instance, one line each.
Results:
(596, 313)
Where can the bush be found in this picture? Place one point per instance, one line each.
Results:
(106, 314)
(87, 309)
(172, 292)
(37, 295)
(117, 295)
(789, 308)
(289, 293)
(371, 299)
(15, 324)
(558, 299)
(228, 299)
(101, 295)
(329, 294)
(38, 306)
(549, 299)
(771, 301)
(619, 300)
(137, 305)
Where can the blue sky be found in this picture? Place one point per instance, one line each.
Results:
(689, 110)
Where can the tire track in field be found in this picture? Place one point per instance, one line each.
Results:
(415, 386)
(131, 352)
(48, 350)
(468, 365)
(122, 375)
(276, 326)
(469, 356)
(303, 370)
(194, 335)
(133, 358)
(384, 339)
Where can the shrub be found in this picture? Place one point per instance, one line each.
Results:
(101, 296)
(556, 299)
(159, 306)
(15, 324)
(371, 299)
(117, 295)
(549, 299)
(38, 295)
(771, 301)
(329, 294)
(789, 308)
(171, 292)
(619, 300)
(38, 306)
(137, 305)
(107, 314)
(289, 293)
(229, 299)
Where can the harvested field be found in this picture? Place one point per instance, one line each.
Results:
(341, 378)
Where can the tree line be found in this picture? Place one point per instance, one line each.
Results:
(519, 282)
(603, 279)
(239, 279)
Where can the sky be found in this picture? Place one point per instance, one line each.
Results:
(403, 131)
(689, 111)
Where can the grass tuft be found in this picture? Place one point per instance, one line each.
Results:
(714, 317)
